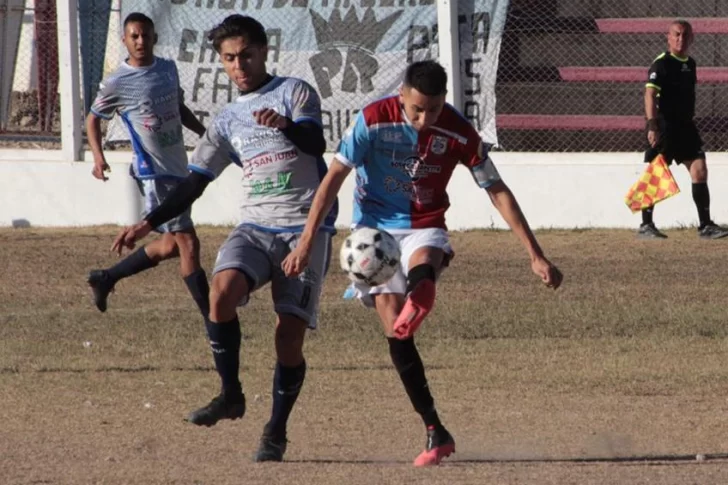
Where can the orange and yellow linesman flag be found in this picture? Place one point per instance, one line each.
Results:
(655, 184)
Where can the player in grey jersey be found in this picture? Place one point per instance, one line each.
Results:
(145, 92)
(273, 132)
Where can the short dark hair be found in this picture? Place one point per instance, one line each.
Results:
(238, 26)
(138, 17)
(685, 25)
(427, 77)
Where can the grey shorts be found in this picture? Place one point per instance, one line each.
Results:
(154, 192)
(259, 254)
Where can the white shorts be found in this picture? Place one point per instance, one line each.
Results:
(410, 240)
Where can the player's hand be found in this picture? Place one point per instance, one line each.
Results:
(128, 236)
(100, 167)
(549, 274)
(270, 118)
(295, 262)
(653, 137)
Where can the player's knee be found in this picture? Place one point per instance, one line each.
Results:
(168, 249)
(420, 273)
(700, 175)
(189, 249)
(289, 338)
(224, 297)
(188, 243)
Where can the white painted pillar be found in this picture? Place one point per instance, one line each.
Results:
(69, 77)
(449, 46)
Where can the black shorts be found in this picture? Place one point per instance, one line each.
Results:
(679, 142)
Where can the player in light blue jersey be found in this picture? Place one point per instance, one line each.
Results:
(273, 132)
(145, 92)
(404, 149)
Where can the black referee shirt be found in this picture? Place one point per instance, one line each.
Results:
(674, 79)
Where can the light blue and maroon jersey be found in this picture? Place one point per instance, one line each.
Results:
(402, 174)
(147, 99)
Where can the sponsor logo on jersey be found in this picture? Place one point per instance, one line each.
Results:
(415, 167)
(391, 136)
(417, 194)
(267, 158)
(271, 185)
(165, 98)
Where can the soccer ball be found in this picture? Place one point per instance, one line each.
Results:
(370, 256)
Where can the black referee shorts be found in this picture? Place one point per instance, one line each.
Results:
(679, 142)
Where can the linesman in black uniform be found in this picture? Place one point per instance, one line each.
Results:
(670, 107)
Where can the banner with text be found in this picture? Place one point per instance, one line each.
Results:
(351, 52)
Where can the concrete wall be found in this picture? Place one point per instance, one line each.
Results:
(555, 191)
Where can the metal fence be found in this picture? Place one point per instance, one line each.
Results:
(570, 74)
(29, 100)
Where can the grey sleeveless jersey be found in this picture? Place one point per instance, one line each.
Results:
(147, 99)
(278, 180)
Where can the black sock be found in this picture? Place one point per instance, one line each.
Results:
(225, 345)
(701, 196)
(135, 263)
(408, 363)
(200, 290)
(287, 382)
(647, 215)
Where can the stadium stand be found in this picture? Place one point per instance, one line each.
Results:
(571, 74)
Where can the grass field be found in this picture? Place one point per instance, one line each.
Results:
(620, 377)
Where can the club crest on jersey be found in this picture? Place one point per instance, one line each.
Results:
(438, 145)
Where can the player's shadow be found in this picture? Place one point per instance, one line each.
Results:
(634, 460)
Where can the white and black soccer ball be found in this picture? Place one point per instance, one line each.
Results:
(370, 256)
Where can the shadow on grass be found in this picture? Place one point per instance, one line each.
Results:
(196, 368)
(636, 459)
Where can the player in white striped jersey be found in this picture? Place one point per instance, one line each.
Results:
(145, 93)
(273, 132)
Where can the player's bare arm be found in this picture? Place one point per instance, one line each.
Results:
(179, 200)
(307, 136)
(93, 129)
(190, 121)
(507, 205)
(324, 199)
(653, 129)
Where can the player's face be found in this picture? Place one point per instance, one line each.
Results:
(139, 40)
(679, 39)
(244, 63)
(421, 110)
